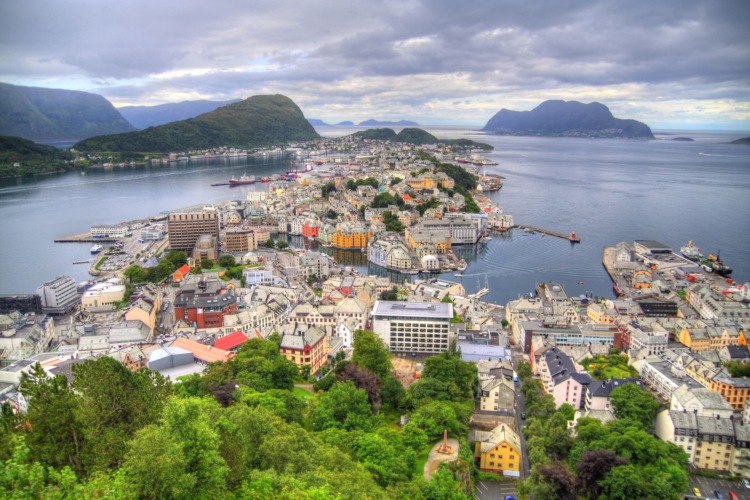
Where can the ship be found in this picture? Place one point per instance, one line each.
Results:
(690, 252)
(715, 264)
(462, 265)
(97, 248)
(245, 179)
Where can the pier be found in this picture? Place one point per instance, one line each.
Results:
(85, 238)
(570, 237)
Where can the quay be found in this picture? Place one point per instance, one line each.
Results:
(84, 238)
(570, 237)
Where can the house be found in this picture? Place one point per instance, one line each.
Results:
(304, 345)
(180, 274)
(598, 393)
(231, 342)
(496, 394)
(498, 451)
(201, 352)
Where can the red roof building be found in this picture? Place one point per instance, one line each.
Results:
(180, 274)
(231, 341)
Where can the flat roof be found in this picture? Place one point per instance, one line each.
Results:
(436, 310)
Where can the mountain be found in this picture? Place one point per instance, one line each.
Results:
(377, 123)
(566, 118)
(317, 123)
(258, 121)
(56, 115)
(31, 158)
(417, 136)
(378, 134)
(150, 116)
(744, 140)
(345, 123)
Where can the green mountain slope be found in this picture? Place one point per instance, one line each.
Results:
(378, 134)
(50, 115)
(19, 157)
(257, 121)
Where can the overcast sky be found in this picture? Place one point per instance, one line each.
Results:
(669, 63)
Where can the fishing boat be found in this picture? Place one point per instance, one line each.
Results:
(462, 265)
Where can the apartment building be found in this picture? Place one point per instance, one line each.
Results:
(184, 229)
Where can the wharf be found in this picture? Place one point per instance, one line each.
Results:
(84, 238)
(570, 237)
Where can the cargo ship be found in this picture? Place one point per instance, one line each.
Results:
(715, 264)
(690, 252)
(245, 179)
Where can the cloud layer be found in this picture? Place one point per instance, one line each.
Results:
(670, 63)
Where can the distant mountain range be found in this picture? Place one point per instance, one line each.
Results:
(744, 140)
(367, 123)
(567, 119)
(258, 121)
(56, 115)
(150, 116)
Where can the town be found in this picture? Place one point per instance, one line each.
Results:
(184, 290)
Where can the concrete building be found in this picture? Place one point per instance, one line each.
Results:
(59, 296)
(206, 247)
(23, 303)
(314, 264)
(184, 228)
(102, 297)
(496, 394)
(116, 231)
(418, 327)
(240, 239)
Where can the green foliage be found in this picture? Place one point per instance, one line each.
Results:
(343, 406)
(227, 260)
(411, 135)
(431, 203)
(257, 121)
(385, 200)
(371, 353)
(392, 223)
(33, 158)
(524, 370)
(630, 401)
(352, 184)
(327, 188)
(614, 365)
(376, 134)
(738, 369)
(281, 244)
(395, 180)
(567, 411)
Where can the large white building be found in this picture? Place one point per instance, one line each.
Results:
(117, 231)
(59, 296)
(418, 327)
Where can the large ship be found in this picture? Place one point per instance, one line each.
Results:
(96, 248)
(715, 264)
(245, 179)
(691, 252)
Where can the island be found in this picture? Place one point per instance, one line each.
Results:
(387, 123)
(744, 140)
(566, 119)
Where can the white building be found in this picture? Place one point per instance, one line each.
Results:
(419, 327)
(59, 296)
(102, 297)
(109, 231)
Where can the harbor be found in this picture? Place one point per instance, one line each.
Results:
(570, 237)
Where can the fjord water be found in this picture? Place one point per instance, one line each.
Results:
(607, 190)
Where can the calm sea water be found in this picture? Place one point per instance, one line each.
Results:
(606, 190)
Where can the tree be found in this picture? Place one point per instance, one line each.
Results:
(553, 481)
(270, 243)
(371, 353)
(624, 483)
(207, 263)
(178, 259)
(227, 260)
(392, 393)
(630, 401)
(524, 370)
(281, 244)
(343, 406)
(363, 379)
(594, 466)
(567, 411)
(136, 274)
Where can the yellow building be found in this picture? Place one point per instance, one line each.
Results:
(711, 337)
(424, 181)
(144, 304)
(351, 237)
(600, 314)
(498, 451)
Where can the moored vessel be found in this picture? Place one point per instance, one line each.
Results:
(716, 265)
(690, 252)
(96, 248)
(245, 179)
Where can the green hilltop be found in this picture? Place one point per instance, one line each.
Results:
(31, 158)
(417, 136)
(258, 121)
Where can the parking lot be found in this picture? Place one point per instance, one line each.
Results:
(495, 490)
(708, 486)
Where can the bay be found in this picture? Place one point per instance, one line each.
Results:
(607, 190)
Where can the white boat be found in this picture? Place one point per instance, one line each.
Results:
(462, 265)
(97, 248)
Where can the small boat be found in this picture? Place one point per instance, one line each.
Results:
(581, 282)
(265, 179)
(462, 265)
(96, 249)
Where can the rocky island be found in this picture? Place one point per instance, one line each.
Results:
(566, 119)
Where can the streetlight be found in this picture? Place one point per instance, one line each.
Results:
(236, 386)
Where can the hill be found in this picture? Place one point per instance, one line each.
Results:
(378, 134)
(416, 136)
(386, 123)
(345, 123)
(566, 118)
(317, 123)
(56, 115)
(31, 158)
(744, 140)
(150, 116)
(258, 121)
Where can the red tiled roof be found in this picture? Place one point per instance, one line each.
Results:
(202, 352)
(183, 270)
(230, 341)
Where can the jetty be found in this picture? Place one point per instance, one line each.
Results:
(84, 238)
(570, 237)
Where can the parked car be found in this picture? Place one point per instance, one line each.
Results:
(746, 483)
(718, 495)
(733, 495)
(696, 492)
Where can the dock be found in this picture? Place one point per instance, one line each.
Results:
(570, 237)
(84, 238)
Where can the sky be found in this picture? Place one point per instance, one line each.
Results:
(673, 64)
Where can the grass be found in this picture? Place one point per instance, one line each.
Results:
(101, 261)
(422, 457)
(303, 394)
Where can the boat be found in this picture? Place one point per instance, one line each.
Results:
(96, 248)
(265, 179)
(462, 265)
(581, 282)
(245, 179)
(715, 264)
(690, 252)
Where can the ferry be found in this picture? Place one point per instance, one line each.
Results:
(96, 249)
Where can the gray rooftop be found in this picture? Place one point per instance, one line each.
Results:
(419, 310)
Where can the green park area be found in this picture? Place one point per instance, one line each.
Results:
(613, 365)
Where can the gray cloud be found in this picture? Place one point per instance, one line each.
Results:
(403, 59)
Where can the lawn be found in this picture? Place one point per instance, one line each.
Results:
(422, 457)
(611, 366)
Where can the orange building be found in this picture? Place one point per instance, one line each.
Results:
(351, 237)
(310, 228)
